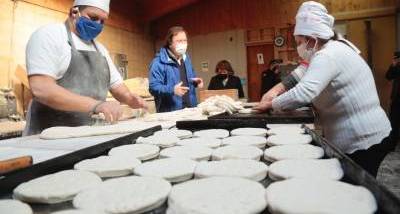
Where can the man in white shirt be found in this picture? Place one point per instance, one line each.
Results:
(70, 73)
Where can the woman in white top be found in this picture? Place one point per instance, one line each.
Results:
(340, 85)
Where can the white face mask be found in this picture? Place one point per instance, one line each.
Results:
(181, 48)
(305, 53)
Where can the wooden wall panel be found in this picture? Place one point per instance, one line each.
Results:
(209, 16)
(6, 20)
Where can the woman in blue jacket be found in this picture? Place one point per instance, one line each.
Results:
(172, 80)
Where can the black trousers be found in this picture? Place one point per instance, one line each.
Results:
(394, 116)
(372, 158)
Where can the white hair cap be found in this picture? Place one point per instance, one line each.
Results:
(101, 4)
(313, 20)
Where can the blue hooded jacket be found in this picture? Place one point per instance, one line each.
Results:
(163, 76)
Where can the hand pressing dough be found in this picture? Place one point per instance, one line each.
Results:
(181, 134)
(237, 152)
(201, 141)
(198, 153)
(131, 194)
(256, 141)
(171, 169)
(139, 151)
(55, 188)
(250, 169)
(288, 139)
(284, 152)
(318, 196)
(14, 207)
(249, 131)
(161, 141)
(226, 195)
(109, 166)
(306, 168)
(212, 133)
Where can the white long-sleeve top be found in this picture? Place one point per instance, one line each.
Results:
(341, 86)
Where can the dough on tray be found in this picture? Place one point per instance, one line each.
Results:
(306, 168)
(55, 188)
(109, 166)
(171, 169)
(305, 151)
(298, 195)
(131, 194)
(139, 151)
(250, 169)
(228, 195)
(237, 152)
(198, 153)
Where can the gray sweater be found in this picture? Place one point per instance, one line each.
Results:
(341, 86)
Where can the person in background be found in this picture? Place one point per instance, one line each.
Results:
(70, 73)
(225, 78)
(393, 74)
(350, 113)
(270, 77)
(172, 79)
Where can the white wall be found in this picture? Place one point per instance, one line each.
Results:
(214, 47)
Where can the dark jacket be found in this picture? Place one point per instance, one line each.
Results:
(393, 73)
(234, 82)
(268, 80)
(163, 76)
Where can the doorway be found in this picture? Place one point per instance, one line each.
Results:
(258, 57)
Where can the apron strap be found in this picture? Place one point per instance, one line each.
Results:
(70, 40)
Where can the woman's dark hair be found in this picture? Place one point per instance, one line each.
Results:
(173, 31)
(224, 64)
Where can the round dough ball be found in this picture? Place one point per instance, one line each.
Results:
(250, 169)
(237, 152)
(55, 188)
(198, 153)
(283, 129)
(180, 133)
(256, 141)
(288, 139)
(318, 196)
(249, 131)
(212, 133)
(14, 207)
(306, 168)
(139, 151)
(201, 141)
(284, 152)
(171, 169)
(164, 141)
(131, 194)
(226, 195)
(109, 166)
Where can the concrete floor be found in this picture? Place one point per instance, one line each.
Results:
(389, 171)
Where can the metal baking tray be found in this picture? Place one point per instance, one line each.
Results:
(387, 202)
(295, 116)
(9, 181)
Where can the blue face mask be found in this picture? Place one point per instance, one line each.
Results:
(88, 29)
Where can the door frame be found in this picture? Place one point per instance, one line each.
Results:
(250, 44)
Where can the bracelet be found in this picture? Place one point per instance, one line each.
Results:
(93, 111)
